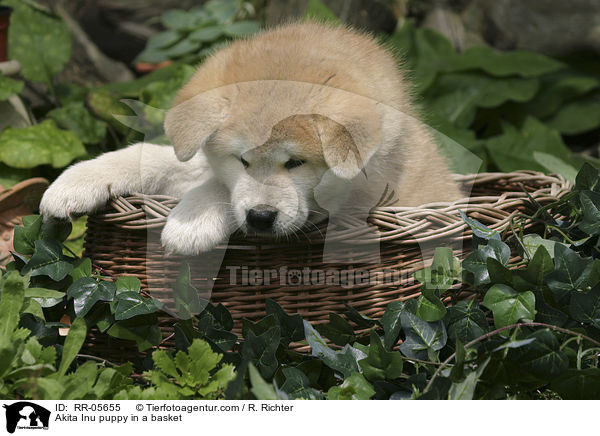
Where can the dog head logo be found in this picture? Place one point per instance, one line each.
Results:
(26, 415)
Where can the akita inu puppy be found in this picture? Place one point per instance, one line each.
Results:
(270, 135)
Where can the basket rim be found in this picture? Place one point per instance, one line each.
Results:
(423, 223)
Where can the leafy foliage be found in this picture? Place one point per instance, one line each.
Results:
(195, 33)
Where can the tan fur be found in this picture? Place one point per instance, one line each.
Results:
(336, 59)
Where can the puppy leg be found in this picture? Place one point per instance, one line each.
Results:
(201, 221)
(147, 168)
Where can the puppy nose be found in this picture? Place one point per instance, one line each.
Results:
(261, 217)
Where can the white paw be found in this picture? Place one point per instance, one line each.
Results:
(189, 233)
(76, 192)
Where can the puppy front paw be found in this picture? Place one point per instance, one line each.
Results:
(191, 235)
(76, 192)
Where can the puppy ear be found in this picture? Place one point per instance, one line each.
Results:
(344, 146)
(190, 124)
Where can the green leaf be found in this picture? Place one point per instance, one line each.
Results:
(434, 53)
(585, 306)
(144, 330)
(578, 384)
(241, 28)
(571, 272)
(39, 40)
(578, 117)
(479, 229)
(163, 39)
(466, 321)
(297, 385)
(457, 96)
(509, 306)
(187, 300)
(128, 284)
(76, 118)
(429, 306)
(443, 272)
(317, 11)
(588, 178)
(12, 294)
(355, 387)
(207, 34)
(42, 144)
(86, 292)
(590, 202)
(48, 260)
(337, 330)
(292, 327)
(534, 275)
(81, 268)
(465, 389)
(379, 363)
(532, 243)
(26, 235)
(178, 19)
(513, 150)
(130, 304)
(259, 387)
(9, 87)
(260, 350)
(182, 48)
(422, 337)
(391, 323)
(511, 63)
(344, 361)
(555, 165)
(73, 343)
(543, 357)
(477, 262)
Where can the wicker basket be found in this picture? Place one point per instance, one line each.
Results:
(124, 240)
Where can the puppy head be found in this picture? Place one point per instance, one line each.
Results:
(272, 144)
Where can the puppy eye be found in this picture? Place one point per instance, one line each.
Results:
(293, 163)
(244, 162)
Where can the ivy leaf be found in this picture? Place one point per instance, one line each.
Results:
(260, 350)
(585, 306)
(543, 357)
(578, 116)
(391, 323)
(578, 384)
(477, 264)
(532, 242)
(429, 306)
(509, 306)
(443, 272)
(48, 260)
(588, 178)
(163, 39)
(466, 321)
(297, 386)
(465, 389)
(39, 40)
(9, 87)
(81, 268)
(421, 337)
(144, 330)
(130, 304)
(571, 272)
(362, 321)
(337, 330)
(26, 235)
(87, 291)
(42, 144)
(76, 118)
(292, 327)
(590, 202)
(187, 300)
(381, 364)
(127, 284)
(344, 361)
(479, 229)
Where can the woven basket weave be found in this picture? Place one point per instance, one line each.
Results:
(124, 240)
